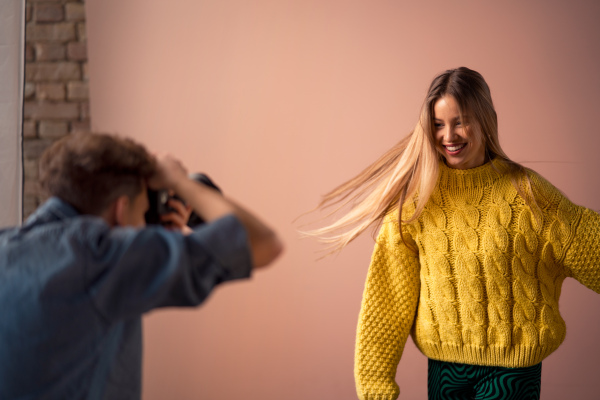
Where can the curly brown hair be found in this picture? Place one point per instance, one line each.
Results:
(91, 170)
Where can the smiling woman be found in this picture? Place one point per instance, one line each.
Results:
(459, 142)
(471, 255)
(410, 170)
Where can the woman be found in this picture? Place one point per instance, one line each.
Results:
(471, 255)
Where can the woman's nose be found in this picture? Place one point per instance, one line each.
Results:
(449, 133)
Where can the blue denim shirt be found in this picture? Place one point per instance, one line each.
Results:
(72, 292)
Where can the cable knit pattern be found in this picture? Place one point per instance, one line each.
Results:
(486, 280)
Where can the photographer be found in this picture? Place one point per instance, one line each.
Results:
(76, 278)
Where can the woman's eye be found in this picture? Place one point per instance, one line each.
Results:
(458, 123)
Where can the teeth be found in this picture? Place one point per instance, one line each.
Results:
(456, 147)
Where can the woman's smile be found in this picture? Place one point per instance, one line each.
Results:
(455, 139)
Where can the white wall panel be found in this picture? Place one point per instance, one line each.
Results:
(12, 21)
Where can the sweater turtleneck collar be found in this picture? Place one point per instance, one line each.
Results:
(483, 175)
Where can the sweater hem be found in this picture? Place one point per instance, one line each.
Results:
(498, 356)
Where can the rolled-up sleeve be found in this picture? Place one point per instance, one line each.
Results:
(131, 271)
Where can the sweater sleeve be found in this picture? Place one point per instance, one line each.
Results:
(573, 232)
(582, 259)
(387, 313)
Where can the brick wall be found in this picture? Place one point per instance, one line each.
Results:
(56, 83)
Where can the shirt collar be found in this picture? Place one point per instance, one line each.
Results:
(54, 209)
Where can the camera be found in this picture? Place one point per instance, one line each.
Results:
(159, 202)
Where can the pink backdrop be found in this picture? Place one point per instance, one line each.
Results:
(281, 100)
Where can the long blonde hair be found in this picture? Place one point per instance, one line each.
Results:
(409, 171)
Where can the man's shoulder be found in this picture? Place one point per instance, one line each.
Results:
(58, 214)
(45, 229)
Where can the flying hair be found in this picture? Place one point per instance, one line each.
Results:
(409, 171)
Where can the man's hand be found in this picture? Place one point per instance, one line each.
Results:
(170, 173)
(178, 218)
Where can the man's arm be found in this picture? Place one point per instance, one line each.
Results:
(211, 205)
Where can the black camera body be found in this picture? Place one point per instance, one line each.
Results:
(159, 202)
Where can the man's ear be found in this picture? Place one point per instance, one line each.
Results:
(116, 213)
(121, 210)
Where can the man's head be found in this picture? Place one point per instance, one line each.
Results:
(99, 174)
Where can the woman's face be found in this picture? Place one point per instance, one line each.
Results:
(453, 137)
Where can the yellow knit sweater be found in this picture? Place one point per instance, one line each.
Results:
(484, 286)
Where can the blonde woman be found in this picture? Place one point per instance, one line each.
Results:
(471, 254)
